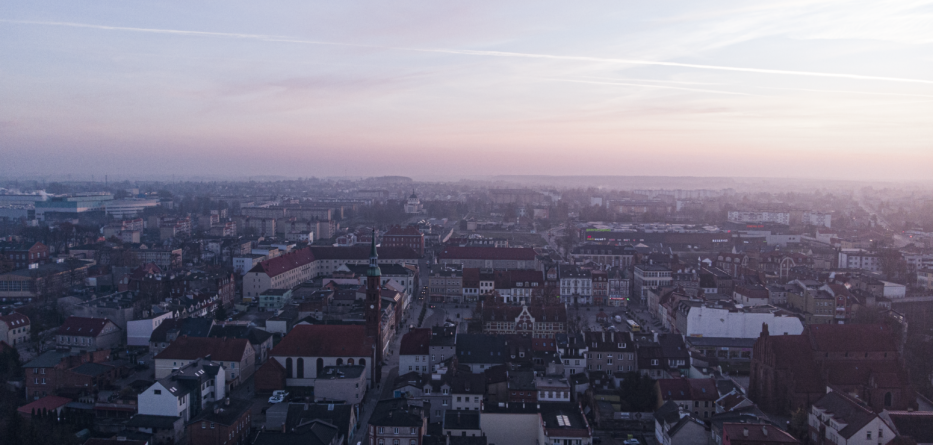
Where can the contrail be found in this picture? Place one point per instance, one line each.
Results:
(468, 52)
(647, 86)
(846, 92)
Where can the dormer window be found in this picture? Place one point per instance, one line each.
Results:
(621, 345)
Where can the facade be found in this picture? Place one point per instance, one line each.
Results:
(282, 272)
(649, 276)
(408, 236)
(445, 285)
(413, 351)
(88, 334)
(19, 256)
(576, 285)
(396, 422)
(14, 328)
(606, 256)
(752, 434)
(346, 384)
(610, 352)
(819, 219)
(534, 321)
(859, 259)
(759, 217)
(490, 257)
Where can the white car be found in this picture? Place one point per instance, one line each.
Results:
(278, 396)
(631, 442)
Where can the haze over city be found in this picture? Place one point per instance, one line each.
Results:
(803, 89)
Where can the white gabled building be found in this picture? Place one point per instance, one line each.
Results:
(186, 391)
(840, 418)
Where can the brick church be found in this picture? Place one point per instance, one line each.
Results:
(793, 371)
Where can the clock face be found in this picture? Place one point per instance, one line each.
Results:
(372, 306)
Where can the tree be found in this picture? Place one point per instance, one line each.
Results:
(220, 313)
(799, 425)
(638, 393)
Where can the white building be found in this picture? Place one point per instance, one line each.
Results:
(812, 218)
(859, 259)
(759, 217)
(138, 332)
(186, 391)
(839, 418)
(128, 208)
(704, 321)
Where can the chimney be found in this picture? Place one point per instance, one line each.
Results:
(745, 431)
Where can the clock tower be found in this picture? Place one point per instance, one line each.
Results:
(373, 307)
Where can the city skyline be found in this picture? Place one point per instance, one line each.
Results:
(831, 90)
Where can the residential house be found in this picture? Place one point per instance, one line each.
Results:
(88, 334)
(396, 422)
(228, 423)
(838, 417)
(186, 392)
(14, 328)
(236, 354)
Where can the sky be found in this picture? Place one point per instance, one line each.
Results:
(794, 89)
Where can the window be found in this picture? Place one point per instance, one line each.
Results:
(445, 391)
(203, 425)
(444, 402)
(381, 430)
(212, 425)
(868, 435)
(157, 391)
(396, 430)
(412, 432)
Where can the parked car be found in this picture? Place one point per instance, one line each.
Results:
(278, 396)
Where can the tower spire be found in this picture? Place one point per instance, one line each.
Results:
(373, 259)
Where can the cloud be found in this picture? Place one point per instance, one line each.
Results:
(479, 53)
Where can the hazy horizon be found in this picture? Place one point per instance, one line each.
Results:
(824, 90)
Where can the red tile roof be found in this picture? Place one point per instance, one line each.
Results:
(83, 327)
(403, 231)
(325, 341)
(284, 263)
(852, 338)
(48, 403)
(688, 389)
(15, 320)
(415, 342)
(192, 348)
(487, 253)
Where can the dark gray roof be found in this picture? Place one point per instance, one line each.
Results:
(387, 269)
(48, 359)
(461, 420)
(915, 425)
(668, 413)
(227, 414)
(397, 412)
(568, 411)
(847, 411)
(342, 372)
(92, 369)
(254, 335)
(481, 348)
(150, 421)
(192, 327)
